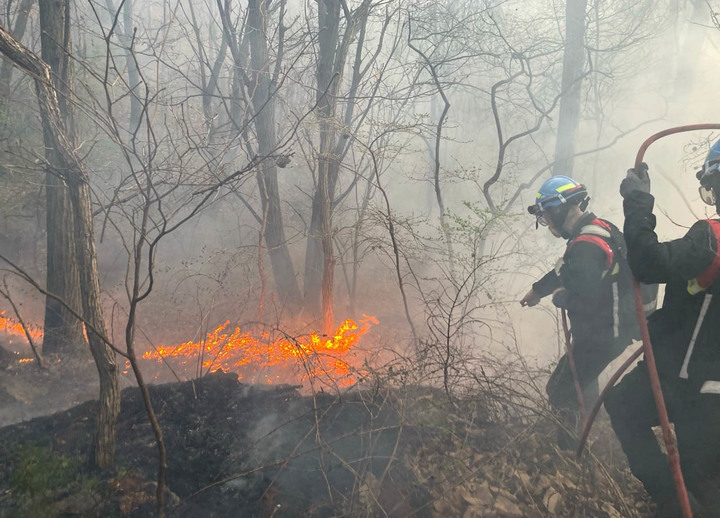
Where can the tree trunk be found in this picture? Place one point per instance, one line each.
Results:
(573, 64)
(325, 195)
(63, 332)
(71, 169)
(319, 259)
(263, 99)
(332, 54)
(127, 38)
(313, 261)
(103, 448)
(209, 84)
(6, 69)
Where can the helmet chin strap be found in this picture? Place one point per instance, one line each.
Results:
(583, 204)
(558, 215)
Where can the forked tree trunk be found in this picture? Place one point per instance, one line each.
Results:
(332, 54)
(319, 260)
(259, 80)
(263, 100)
(63, 332)
(573, 64)
(71, 169)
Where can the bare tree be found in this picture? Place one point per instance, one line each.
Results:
(333, 48)
(69, 168)
(261, 77)
(263, 85)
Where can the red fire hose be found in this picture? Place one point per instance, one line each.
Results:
(670, 443)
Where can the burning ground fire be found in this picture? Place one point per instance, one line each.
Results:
(335, 359)
(13, 328)
(270, 358)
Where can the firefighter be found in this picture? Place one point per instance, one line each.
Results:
(592, 282)
(685, 335)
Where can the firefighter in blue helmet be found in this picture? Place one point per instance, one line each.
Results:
(592, 282)
(685, 335)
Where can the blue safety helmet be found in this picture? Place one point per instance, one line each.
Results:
(557, 191)
(554, 199)
(709, 176)
(560, 192)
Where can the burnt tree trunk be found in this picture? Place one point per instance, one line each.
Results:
(63, 332)
(262, 88)
(573, 65)
(70, 168)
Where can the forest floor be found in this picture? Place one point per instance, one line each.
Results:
(252, 450)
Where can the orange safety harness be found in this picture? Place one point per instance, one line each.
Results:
(595, 239)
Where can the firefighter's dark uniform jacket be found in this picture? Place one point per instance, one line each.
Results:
(598, 287)
(685, 335)
(685, 332)
(598, 298)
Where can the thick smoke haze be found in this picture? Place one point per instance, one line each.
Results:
(326, 200)
(176, 103)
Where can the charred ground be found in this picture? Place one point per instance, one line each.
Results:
(242, 450)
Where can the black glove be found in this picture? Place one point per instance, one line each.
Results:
(561, 298)
(636, 180)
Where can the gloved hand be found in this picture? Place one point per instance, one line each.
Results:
(636, 180)
(560, 298)
(531, 298)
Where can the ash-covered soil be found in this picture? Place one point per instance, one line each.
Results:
(240, 450)
(27, 391)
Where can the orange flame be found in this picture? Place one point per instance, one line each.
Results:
(14, 328)
(329, 359)
(335, 359)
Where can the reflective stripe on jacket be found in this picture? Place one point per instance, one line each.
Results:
(685, 332)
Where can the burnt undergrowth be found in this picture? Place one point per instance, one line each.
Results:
(243, 450)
